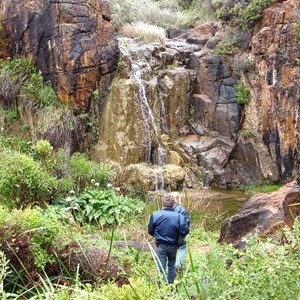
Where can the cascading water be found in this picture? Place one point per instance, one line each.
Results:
(148, 120)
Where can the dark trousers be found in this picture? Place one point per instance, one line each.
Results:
(167, 256)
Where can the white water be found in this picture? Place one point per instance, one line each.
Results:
(148, 118)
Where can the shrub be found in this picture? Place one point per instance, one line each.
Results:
(13, 73)
(229, 45)
(104, 207)
(26, 238)
(22, 180)
(56, 124)
(242, 66)
(241, 13)
(242, 93)
(43, 149)
(144, 32)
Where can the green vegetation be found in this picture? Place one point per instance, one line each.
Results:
(261, 188)
(242, 93)
(160, 13)
(247, 132)
(22, 84)
(104, 207)
(230, 44)
(144, 32)
(243, 66)
(242, 14)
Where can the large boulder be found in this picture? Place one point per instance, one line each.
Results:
(71, 41)
(264, 214)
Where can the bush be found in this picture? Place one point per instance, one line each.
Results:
(22, 180)
(36, 245)
(144, 32)
(241, 13)
(26, 238)
(242, 93)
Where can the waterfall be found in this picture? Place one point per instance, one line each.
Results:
(150, 125)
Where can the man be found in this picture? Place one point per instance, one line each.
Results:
(181, 210)
(165, 225)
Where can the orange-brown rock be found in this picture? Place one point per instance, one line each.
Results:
(272, 114)
(264, 214)
(71, 41)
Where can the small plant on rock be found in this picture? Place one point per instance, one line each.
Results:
(242, 93)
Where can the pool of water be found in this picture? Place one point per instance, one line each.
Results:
(228, 201)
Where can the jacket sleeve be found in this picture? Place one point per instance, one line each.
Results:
(151, 226)
(186, 216)
(183, 226)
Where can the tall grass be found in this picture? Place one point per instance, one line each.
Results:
(148, 11)
(144, 32)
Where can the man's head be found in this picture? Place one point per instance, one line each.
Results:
(168, 200)
(176, 197)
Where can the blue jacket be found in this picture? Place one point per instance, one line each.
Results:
(166, 224)
(180, 209)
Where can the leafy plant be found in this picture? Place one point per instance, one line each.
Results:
(104, 207)
(229, 45)
(15, 143)
(242, 93)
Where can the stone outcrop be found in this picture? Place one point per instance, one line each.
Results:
(71, 42)
(272, 149)
(151, 178)
(263, 214)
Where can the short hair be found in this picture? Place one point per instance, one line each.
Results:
(168, 201)
(177, 197)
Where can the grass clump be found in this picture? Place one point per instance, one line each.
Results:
(21, 83)
(262, 188)
(144, 32)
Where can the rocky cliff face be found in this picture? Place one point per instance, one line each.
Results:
(196, 122)
(272, 116)
(71, 41)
